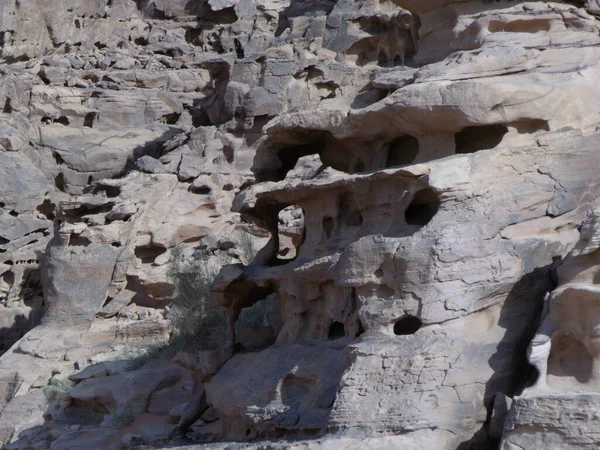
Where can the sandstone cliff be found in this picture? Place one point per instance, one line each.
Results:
(399, 198)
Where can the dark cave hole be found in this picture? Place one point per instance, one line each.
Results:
(76, 240)
(422, 208)
(88, 120)
(140, 41)
(332, 152)
(354, 219)
(239, 50)
(407, 325)
(290, 232)
(47, 209)
(59, 182)
(7, 109)
(200, 190)
(110, 191)
(484, 137)
(171, 119)
(257, 325)
(289, 156)
(63, 120)
(336, 331)
(148, 253)
(402, 151)
(59, 160)
(328, 226)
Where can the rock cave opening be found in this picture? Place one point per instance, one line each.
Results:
(257, 326)
(291, 232)
(423, 207)
(392, 42)
(336, 331)
(402, 151)
(349, 214)
(328, 226)
(200, 190)
(7, 109)
(88, 120)
(148, 253)
(481, 137)
(59, 182)
(333, 153)
(407, 325)
(150, 294)
(63, 120)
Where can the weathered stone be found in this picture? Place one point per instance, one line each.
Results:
(393, 182)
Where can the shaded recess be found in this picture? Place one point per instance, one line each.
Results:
(88, 120)
(407, 325)
(349, 213)
(150, 295)
(333, 153)
(7, 109)
(257, 326)
(291, 232)
(402, 151)
(475, 138)
(336, 331)
(392, 42)
(423, 207)
(328, 226)
(520, 26)
(148, 253)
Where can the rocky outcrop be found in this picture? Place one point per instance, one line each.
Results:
(393, 183)
(565, 356)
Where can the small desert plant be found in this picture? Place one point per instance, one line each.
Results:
(198, 322)
(55, 388)
(139, 357)
(122, 417)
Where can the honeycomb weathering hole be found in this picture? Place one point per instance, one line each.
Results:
(407, 325)
(336, 331)
(483, 137)
(402, 151)
(422, 208)
(291, 232)
(328, 226)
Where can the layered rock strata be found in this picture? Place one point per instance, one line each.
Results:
(409, 173)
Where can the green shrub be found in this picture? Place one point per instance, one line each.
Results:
(139, 357)
(198, 322)
(55, 388)
(122, 417)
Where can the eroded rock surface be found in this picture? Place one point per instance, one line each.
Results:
(392, 184)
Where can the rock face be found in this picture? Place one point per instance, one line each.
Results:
(395, 184)
(564, 352)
